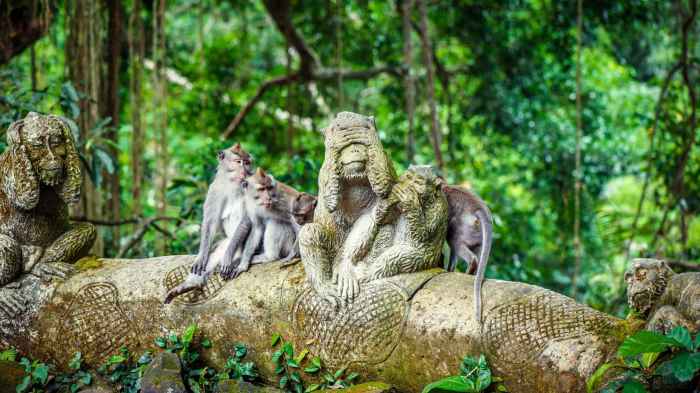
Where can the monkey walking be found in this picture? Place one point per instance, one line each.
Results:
(470, 228)
(223, 211)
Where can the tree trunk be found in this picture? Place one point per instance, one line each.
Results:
(23, 23)
(407, 330)
(136, 54)
(578, 172)
(409, 83)
(83, 49)
(112, 110)
(160, 102)
(435, 132)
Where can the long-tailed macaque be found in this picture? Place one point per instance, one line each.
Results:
(223, 210)
(271, 227)
(469, 230)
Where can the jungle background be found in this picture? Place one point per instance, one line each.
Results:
(575, 121)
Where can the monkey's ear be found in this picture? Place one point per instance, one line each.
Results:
(70, 189)
(221, 155)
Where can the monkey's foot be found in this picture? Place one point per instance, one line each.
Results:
(31, 256)
(49, 271)
(230, 272)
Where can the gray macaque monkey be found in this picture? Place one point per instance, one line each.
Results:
(469, 230)
(223, 211)
(272, 233)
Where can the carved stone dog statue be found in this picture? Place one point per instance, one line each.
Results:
(39, 177)
(664, 298)
(368, 224)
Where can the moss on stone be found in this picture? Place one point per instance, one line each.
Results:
(367, 387)
(88, 263)
(11, 374)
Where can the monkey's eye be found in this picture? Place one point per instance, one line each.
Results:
(221, 155)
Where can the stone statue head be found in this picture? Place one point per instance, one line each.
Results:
(646, 282)
(48, 143)
(354, 156)
(236, 162)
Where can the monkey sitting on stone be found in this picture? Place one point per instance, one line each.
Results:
(302, 207)
(269, 222)
(665, 299)
(39, 176)
(469, 230)
(223, 212)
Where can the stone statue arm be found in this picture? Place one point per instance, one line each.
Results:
(317, 240)
(20, 182)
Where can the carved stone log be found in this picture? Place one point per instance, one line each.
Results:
(407, 330)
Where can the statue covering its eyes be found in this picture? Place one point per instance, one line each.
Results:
(39, 177)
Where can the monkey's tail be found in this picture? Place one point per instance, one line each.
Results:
(192, 282)
(486, 238)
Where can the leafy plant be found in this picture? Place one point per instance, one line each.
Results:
(475, 376)
(236, 369)
(645, 355)
(9, 354)
(78, 378)
(124, 372)
(286, 367)
(36, 378)
(200, 378)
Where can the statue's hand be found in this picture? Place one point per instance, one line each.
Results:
(49, 271)
(407, 197)
(347, 283)
(382, 210)
(328, 293)
(31, 255)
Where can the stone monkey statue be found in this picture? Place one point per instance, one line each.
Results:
(39, 177)
(469, 230)
(223, 211)
(664, 298)
(343, 246)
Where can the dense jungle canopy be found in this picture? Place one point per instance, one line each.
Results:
(506, 97)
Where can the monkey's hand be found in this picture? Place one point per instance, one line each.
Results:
(199, 267)
(233, 271)
(49, 271)
(290, 260)
(228, 269)
(406, 195)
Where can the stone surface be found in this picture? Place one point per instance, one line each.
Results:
(367, 387)
(538, 340)
(11, 374)
(163, 375)
(231, 386)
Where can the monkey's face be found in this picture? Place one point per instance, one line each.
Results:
(237, 163)
(47, 151)
(303, 208)
(263, 189)
(646, 282)
(353, 161)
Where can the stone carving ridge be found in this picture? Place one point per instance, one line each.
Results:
(178, 275)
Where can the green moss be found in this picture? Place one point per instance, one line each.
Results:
(88, 263)
(367, 387)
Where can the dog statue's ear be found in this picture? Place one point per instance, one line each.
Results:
(70, 189)
(13, 133)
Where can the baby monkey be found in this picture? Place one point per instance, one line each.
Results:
(274, 214)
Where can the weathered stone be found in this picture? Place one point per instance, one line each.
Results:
(367, 387)
(415, 330)
(11, 374)
(231, 386)
(163, 375)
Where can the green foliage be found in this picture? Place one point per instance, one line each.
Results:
(9, 354)
(200, 378)
(78, 378)
(124, 371)
(36, 377)
(475, 376)
(236, 369)
(645, 355)
(288, 366)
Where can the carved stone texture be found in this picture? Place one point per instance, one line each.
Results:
(368, 224)
(39, 177)
(178, 275)
(96, 323)
(664, 298)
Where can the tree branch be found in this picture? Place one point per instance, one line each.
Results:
(685, 265)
